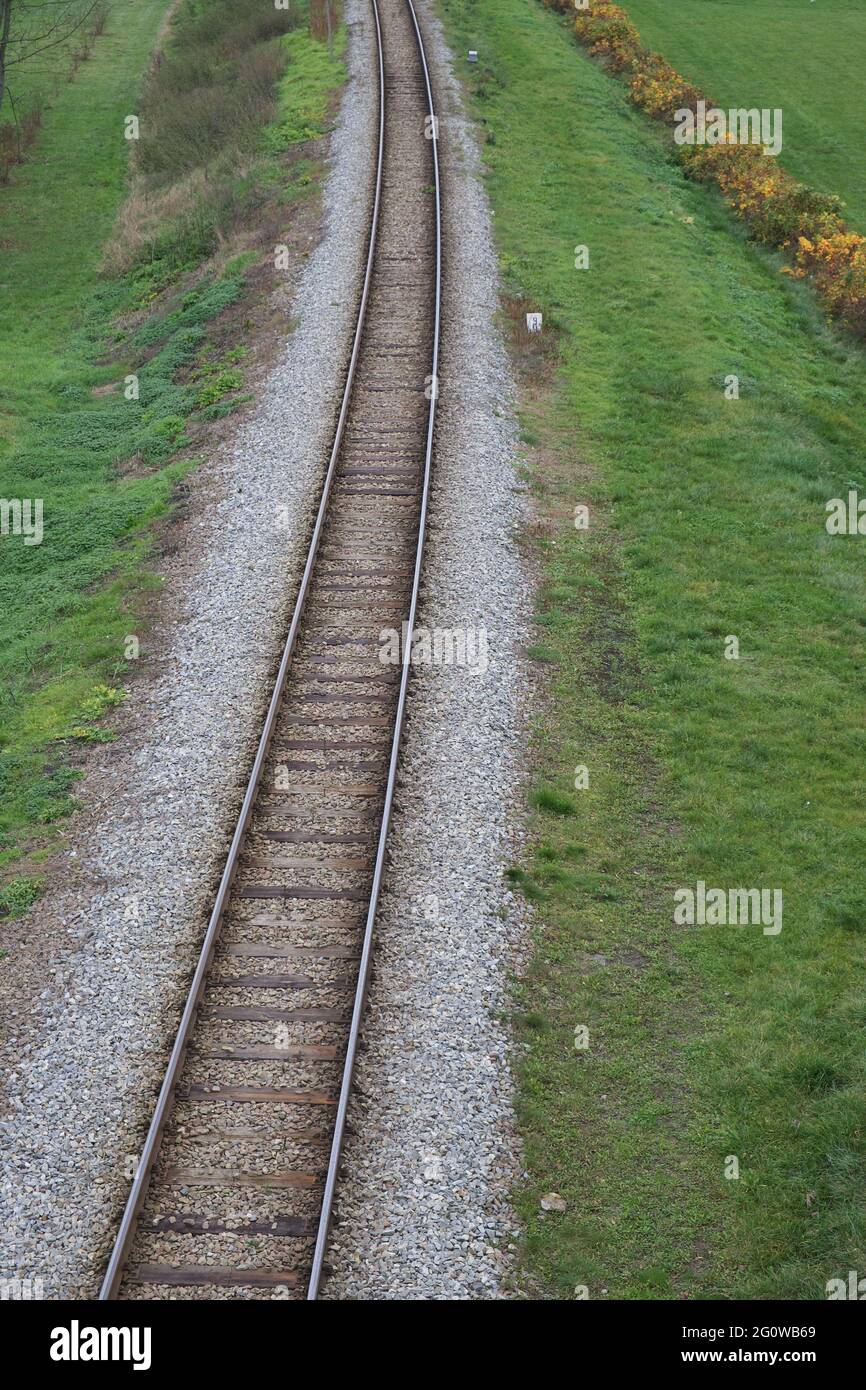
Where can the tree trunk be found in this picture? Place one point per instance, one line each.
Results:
(5, 20)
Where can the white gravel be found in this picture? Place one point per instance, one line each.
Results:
(157, 815)
(423, 1201)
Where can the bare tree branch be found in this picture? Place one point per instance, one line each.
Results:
(28, 29)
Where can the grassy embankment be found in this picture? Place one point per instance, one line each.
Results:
(707, 519)
(807, 59)
(90, 299)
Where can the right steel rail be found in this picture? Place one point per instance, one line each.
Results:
(364, 970)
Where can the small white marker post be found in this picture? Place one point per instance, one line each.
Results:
(533, 323)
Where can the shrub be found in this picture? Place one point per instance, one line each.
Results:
(16, 138)
(98, 20)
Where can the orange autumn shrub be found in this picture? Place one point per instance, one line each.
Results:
(657, 88)
(781, 212)
(837, 265)
(777, 207)
(608, 33)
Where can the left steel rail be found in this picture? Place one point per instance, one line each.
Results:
(138, 1192)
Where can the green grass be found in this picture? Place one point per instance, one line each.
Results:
(312, 76)
(805, 56)
(55, 634)
(18, 895)
(106, 466)
(707, 519)
(59, 208)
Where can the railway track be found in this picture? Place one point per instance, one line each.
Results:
(235, 1186)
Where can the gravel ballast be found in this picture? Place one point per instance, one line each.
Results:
(432, 1153)
(423, 1201)
(148, 846)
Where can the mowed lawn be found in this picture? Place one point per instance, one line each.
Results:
(710, 1140)
(58, 635)
(59, 206)
(807, 57)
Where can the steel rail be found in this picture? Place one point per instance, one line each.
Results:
(366, 950)
(117, 1261)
